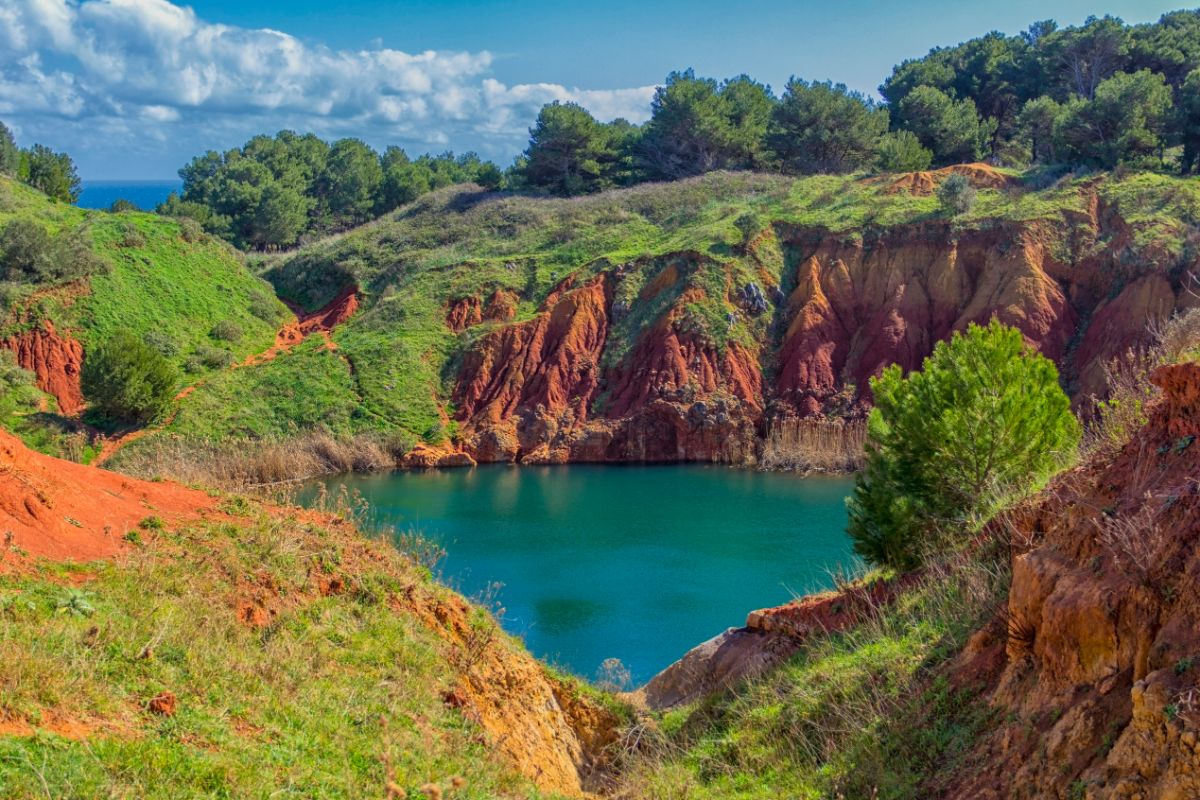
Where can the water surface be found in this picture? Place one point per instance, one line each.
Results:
(638, 563)
(146, 195)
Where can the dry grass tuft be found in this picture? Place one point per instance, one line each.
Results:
(815, 445)
(254, 464)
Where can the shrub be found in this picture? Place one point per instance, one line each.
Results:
(982, 422)
(28, 253)
(131, 235)
(212, 358)
(749, 225)
(265, 308)
(227, 331)
(190, 230)
(956, 195)
(120, 206)
(163, 343)
(127, 380)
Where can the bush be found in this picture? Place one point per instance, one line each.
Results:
(956, 195)
(749, 225)
(984, 421)
(226, 331)
(131, 235)
(210, 357)
(127, 380)
(265, 308)
(121, 206)
(28, 253)
(163, 343)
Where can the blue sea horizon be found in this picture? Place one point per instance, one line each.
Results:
(145, 194)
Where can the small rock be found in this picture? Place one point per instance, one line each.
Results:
(163, 704)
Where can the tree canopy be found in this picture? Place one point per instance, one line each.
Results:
(983, 421)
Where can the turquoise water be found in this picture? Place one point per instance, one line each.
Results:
(638, 563)
(146, 195)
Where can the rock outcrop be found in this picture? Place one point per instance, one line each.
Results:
(1097, 678)
(56, 359)
(602, 374)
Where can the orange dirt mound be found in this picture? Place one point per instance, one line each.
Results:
(925, 183)
(51, 508)
(55, 360)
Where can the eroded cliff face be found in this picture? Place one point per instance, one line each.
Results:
(55, 359)
(1095, 669)
(603, 374)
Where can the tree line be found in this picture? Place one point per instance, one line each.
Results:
(273, 191)
(40, 167)
(1098, 95)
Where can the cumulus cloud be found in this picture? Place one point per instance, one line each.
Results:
(145, 72)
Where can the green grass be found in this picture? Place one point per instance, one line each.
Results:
(306, 706)
(160, 280)
(860, 714)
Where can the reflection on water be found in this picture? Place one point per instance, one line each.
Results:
(634, 562)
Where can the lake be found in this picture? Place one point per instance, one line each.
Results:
(146, 195)
(639, 563)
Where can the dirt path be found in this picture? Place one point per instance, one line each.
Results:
(303, 325)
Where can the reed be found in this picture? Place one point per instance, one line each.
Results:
(256, 463)
(815, 445)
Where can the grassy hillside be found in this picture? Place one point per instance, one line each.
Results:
(189, 295)
(306, 706)
(396, 359)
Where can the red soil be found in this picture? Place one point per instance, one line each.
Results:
(925, 183)
(56, 361)
(322, 321)
(56, 509)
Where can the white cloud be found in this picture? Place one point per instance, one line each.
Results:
(72, 69)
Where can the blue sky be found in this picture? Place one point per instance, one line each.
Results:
(134, 88)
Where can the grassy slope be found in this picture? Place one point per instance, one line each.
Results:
(858, 714)
(159, 283)
(304, 707)
(460, 242)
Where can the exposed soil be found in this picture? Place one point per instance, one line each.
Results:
(56, 359)
(68, 512)
(550, 390)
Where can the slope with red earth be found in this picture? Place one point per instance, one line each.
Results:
(1097, 678)
(322, 321)
(551, 389)
(59, 510)
(62, 511)
(56, 359)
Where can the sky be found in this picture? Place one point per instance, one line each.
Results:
(133, 89)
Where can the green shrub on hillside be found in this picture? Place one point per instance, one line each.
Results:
(956, 195)
(29, 254)
(983, 421)
(227, 331)
(127, 380)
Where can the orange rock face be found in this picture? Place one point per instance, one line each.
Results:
(55, 359)
(1098, 678)
(556, 388)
